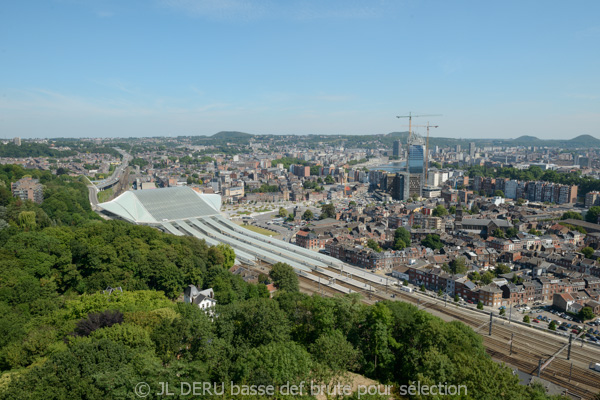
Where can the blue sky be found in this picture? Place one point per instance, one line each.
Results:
(195, 67)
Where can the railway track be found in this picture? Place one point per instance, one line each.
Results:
(527, 348)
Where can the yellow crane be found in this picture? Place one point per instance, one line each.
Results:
(426, 147)
(410, 116)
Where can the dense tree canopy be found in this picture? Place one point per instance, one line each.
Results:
(62, 337)
(284, 277)
(593, 214)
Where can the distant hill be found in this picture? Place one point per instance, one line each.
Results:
(231, 135)
(583, 141)
(527, 138)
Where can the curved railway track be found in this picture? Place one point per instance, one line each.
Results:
(527, 348)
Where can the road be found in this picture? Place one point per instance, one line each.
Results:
(116, 175)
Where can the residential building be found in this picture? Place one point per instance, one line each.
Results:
(28, 188)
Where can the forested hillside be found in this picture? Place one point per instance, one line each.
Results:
(61, 337)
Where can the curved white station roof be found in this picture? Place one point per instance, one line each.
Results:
(162, 205)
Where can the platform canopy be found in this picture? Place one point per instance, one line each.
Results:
(162, 205)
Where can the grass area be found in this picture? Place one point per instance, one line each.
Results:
(259, 230)
(244, 212)
(264, 210)
(105, 195)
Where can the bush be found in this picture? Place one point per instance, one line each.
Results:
(96, 321)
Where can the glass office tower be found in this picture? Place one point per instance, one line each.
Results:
(416, 158)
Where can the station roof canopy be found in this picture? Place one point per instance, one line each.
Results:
(161, 205)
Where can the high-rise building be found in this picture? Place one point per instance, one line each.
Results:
(584, 162)
(397, 185)
(416, 158)
(458, 148)
(416, 162)
(17, 141)
(510, 189)
(397, 150)
(472, 149)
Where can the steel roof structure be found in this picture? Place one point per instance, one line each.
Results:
(182, 211)
(163, 205)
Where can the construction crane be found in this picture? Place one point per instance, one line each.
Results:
(427, 152)
(410, 117)
(426, 146)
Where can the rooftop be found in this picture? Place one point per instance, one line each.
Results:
(160, 205)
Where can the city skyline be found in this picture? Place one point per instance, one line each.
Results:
(183, 67)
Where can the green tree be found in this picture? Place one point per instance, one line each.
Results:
(228, 255)
(458, 266)
(475, 276)
(475, 209)
(333, 350)
(588, 252)
(502, 311)
(27, 220)
(526, 319)
(498, 233)
(284, 277)
(586, 313)
(456, 298)
(520, 201)
(329, 180)
(452, 210)
(276, 363)
(512, 232)
(401, 238)
(372, 244)
(499, 193)
(552, 326)
(432, 241)
(282, 212)
(593, 214)
(439, 211)
(502, 269)
(440, 293)
(571, 215)
(308, 215)
(479, 305)
(487, 278)
(328, 211)
(422, 287)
